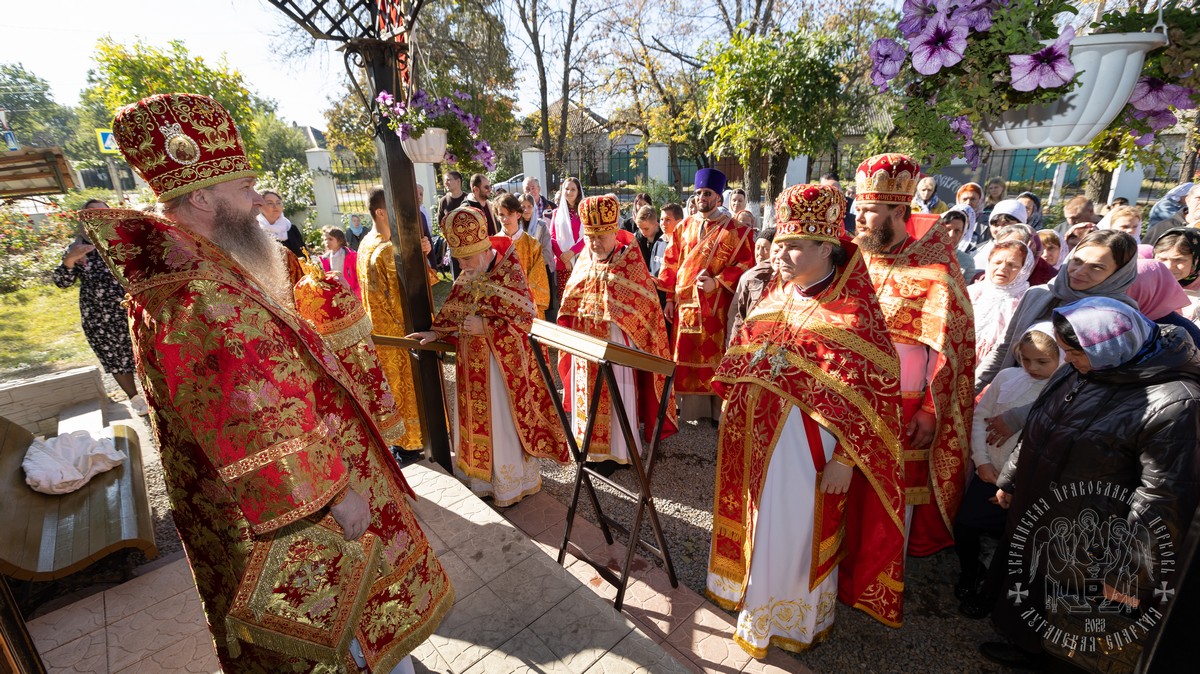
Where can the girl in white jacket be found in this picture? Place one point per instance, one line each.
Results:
(979, 515)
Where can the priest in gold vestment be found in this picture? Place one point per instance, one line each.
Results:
(383, 299)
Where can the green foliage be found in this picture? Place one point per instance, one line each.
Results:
(660, 193)
(40, 328)
(28, 253)
(279, 140)
(314, 239)
(347, 125)
(127, 73)
(778, 92)
(294, 184)
(36, 120)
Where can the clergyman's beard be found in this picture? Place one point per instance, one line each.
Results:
(879, 240)
(252, 248)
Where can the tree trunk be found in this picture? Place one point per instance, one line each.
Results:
(566, 85)
(753, 174)
(676, 171)
(1191, 150)
(1099, 180)
(776, 172)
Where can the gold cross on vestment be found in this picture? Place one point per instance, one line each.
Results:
(760, 354)
(778, 359)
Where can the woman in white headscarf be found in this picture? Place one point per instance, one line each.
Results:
(996, 297)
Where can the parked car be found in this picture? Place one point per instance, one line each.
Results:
(512, 185)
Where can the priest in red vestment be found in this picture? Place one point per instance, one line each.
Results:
(924, 299)
(809, 501)
(265, 398)
(611, 295)
(506, 420)
(701, 267)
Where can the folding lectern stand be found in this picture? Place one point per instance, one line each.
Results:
(605, 355)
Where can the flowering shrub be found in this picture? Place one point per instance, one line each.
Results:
(975, 59)
(28, 253)
(422, 111)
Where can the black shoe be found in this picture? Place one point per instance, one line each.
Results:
(407, 456)
(968, 583)
(1008, 655)
(605, 468)
(976, 606)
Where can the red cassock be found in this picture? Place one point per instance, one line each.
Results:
(263, 413)
(924, 300)
(725, 249)
(618, 291)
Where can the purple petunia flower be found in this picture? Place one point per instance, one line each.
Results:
(385, 99)
(450, 158)
(888, 56)
(462, 95)
(1151, 94)
(940, 46)
(971, 155)
(962, 126)
(1144, 139)
(1047, 69)
(404, 131)
(916, 14)
(974, 15)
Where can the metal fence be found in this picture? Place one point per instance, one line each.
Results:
(353, 181)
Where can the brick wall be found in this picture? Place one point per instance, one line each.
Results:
(33, 402)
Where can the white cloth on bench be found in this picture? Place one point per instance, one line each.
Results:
(63, 464)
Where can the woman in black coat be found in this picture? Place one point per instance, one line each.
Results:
(1100, 491)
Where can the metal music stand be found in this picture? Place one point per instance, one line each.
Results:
(605, 355)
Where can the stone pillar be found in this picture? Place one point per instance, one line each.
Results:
(797, 171)
(1056, 189)
(533, 163)
(324, 193)
(1127, 182)
(658, 162)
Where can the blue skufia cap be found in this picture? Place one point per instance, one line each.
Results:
(710, 178)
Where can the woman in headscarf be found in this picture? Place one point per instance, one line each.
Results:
(1033, 209)
(1160, 297)
(1104, 264)
(1108, 457)
(1179, 250)
(960, 221)
(1004, 283)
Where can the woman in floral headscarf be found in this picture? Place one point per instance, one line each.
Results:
(1121, 421)
(996, 296)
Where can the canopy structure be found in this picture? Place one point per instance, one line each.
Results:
(34, 172)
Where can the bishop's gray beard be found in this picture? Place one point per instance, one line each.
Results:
(880, 240)
(252, 248)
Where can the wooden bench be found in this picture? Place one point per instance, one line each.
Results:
(45, 537)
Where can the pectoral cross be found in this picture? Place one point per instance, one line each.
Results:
(778, 360)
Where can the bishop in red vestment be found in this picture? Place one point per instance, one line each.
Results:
(264, 396)
(611, 295)
(924, 299)
(704, 260)
(809, 503)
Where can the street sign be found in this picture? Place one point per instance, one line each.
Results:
(11, 140)
(107, 141)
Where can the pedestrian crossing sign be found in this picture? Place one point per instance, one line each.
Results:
(108, 142)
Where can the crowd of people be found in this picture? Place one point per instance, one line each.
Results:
(874, 396)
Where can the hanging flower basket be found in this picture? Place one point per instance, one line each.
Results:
(430, 148)
(1109, 65)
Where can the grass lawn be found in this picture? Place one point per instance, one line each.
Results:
(40, 332)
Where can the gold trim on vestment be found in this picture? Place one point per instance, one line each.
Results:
(275, 452)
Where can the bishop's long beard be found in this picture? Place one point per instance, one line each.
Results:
(252, 248)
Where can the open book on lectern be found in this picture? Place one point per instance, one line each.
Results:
(594, 349)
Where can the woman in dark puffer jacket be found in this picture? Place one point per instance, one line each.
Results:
(1101, 489)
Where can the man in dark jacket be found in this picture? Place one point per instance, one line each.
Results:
(1100, 491)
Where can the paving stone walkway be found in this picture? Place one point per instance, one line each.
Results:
(516, 609)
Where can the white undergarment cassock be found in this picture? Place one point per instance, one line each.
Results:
(626, 384)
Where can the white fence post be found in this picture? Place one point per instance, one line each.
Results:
(658, 162)
(1127, 182)
(321, 166)
(533, 163)
(797, 171)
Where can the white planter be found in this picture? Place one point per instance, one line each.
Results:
(430, 148)
(1109, 65)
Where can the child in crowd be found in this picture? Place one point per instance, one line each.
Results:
(979, 515)
(340, 259)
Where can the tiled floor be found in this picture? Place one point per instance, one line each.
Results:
(516, 609)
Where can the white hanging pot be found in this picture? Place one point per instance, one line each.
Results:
(1109, 65)
(430, 148)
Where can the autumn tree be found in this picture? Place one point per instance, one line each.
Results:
(33, 115)
(777, 93)
(279, 141)
(124, 74)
